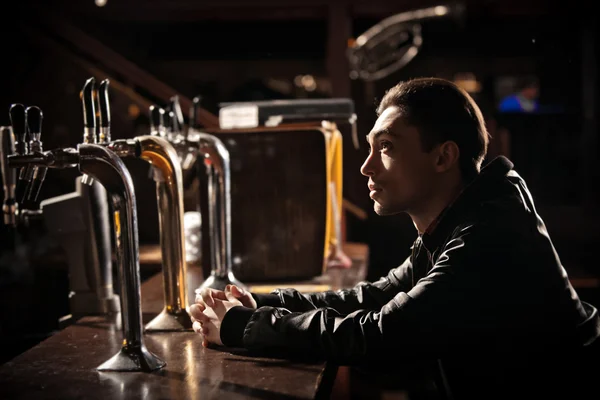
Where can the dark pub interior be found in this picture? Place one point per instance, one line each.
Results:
(191, 210)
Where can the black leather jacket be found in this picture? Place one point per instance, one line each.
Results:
(484, 295)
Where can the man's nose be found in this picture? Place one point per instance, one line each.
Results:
(367, 169)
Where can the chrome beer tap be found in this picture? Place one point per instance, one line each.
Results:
(102, 164)
(24, 192)
(84, 234)
(166, 172)
(215, 172)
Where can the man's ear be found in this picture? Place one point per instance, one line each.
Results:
(447, 156)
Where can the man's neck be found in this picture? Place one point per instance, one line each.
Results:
(424, 217)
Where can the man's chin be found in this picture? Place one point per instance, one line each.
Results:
(383, 210)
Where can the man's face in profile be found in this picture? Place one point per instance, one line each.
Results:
(401, 175)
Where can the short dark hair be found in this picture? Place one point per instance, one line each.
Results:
(442, 111)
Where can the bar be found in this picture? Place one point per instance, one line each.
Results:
(64, 365)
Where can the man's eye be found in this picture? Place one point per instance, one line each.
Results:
(385, 145)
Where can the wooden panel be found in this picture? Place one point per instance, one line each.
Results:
(278, 204)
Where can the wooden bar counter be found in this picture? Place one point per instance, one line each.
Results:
(64, 365)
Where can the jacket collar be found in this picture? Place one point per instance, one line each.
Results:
(473, 193)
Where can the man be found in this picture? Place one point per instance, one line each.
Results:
(525, 100)
(483, 298)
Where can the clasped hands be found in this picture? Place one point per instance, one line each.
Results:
(210, 309)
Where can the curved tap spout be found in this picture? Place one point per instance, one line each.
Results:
(193, 147)
(167, 174)
(169, 194)
(216, 162)
(105, 166)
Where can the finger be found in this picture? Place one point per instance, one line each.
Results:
(230, 296)
(209, 295)
(218, 294)
(205, 330)
(189, 311)
(197, 327)
(199, 315)
(198, 298)
(222, 306)
(203, 319)
(219, 308)
(195, 311)
(199, 302)
(228, 288)
(237, 291)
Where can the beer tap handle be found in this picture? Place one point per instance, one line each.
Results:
(9, 176)
(157, 124)
(168, 117)
(34, 118)
(104, 106)
(34, 123)
(18, 123)
(194, 111)
(177, 120)
(173, 119)
(89, 111)
(89, 118)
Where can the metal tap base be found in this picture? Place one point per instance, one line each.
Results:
(219, 282)
(170, 322)
(133, 359)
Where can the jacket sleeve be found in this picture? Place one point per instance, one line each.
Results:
(424, 319)
(363, 296)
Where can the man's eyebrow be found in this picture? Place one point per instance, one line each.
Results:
(378, 133)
